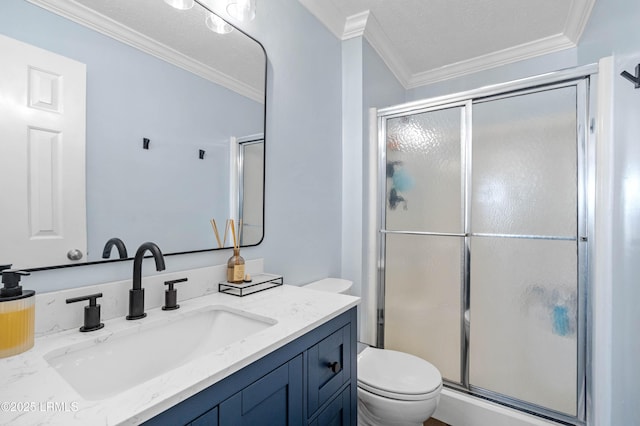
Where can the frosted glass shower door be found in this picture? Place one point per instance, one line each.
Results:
(524, 249)
(424, 237)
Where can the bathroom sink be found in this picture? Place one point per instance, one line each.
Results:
(113, 363)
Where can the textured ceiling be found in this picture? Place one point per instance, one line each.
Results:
(424, 41)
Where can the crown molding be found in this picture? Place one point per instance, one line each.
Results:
(355, 25)
(107, 26)
(365, 24)
(579, 14)
(492, 60)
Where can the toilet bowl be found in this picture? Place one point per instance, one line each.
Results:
(394, 388)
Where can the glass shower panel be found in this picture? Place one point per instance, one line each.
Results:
(252, 192)
(424, 179)
(524, 164)
(523, 320)
(422, 299)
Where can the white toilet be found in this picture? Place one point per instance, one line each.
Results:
(394, 388)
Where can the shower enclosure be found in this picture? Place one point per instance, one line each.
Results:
(483, 240)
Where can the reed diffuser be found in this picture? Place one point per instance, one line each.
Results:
(235, 264)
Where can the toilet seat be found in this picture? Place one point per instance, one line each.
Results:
(397, 375)
(399, 396)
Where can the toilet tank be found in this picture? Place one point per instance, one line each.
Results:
(331, 285)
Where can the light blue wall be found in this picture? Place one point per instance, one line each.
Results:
(303, 143)
(303, 159)
(613, 29)
(366, 83)
(353, 161)
(626, 246)
(381, 87)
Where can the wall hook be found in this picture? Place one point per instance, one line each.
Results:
(634, 79)
(201, 154)
(145, 143)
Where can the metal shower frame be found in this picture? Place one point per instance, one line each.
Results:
(584, 79)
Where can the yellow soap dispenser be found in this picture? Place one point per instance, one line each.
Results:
(17, 314)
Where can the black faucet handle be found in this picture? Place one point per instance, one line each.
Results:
(91, 312)
(170, 283)
(171, 295)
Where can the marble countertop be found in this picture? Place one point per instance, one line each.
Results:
(32, 392)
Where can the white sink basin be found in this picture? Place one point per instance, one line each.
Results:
(111, 364)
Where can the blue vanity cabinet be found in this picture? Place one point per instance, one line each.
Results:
(210, 418)
(275, 399)
(337, 412)
(310, 381)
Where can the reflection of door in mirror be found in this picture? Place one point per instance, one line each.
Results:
(251, 184)
(43, 152)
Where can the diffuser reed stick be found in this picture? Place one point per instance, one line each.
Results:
(226, 229)
(233, 234)
(215, 231)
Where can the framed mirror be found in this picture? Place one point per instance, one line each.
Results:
(160, 108)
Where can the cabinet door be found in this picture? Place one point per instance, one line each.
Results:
(210, 418)
(337, 413)
(274, 400)
(329, 367)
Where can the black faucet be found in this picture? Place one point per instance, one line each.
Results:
(117, 242)
(136, 294)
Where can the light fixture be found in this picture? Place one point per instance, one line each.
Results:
(242, 10)
(217, 24)
(180, 4)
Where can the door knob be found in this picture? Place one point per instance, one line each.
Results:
(74, 254)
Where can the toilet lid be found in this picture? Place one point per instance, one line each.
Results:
(397, 374)
(332, 285)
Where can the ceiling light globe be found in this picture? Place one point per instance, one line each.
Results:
(217, 24)
(242, 10)
(180, 4)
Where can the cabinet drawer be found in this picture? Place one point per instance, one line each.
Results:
(329, 367)
(337, 413)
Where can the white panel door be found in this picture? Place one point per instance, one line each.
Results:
(42, 146)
